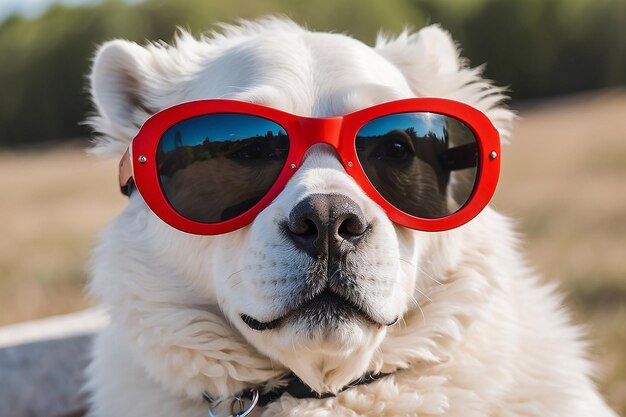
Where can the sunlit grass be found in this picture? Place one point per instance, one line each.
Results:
(563, 181)
(53, 205)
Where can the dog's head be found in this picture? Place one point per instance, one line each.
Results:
(317, 282)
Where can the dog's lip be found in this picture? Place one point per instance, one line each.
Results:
(325, 296)
(254, 324)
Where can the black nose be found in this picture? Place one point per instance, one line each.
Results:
(326, 224)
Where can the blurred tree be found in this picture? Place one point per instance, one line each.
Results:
(539, 47)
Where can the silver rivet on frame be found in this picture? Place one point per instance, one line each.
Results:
(493, 155)
(292, 166)
(350, 164)
(142, 159)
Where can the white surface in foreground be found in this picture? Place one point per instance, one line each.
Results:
(42, 364)
(57, 327)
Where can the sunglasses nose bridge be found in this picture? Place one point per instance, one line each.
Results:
(321, 130)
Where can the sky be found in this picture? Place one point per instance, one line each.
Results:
(34, 8)
(422, 122)
(218, 128)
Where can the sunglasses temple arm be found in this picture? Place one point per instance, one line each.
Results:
(126, 174)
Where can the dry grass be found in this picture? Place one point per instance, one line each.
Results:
(563, 181)
(53, 204)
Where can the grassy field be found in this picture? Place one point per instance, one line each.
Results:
(53, 204)
(563, 181)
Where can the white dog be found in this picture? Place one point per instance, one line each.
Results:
(477, 335)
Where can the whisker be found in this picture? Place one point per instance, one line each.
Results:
(424, 294)
(421, 268)
(429, 276)
(408, 262)
(236, 282)
(421, 311)
(234, 273)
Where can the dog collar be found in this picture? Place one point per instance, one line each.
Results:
(245, 401)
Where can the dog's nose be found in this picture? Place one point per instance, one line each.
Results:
(325, 224)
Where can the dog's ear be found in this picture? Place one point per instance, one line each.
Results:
(431, 50)
(431, 63)
(119, 87)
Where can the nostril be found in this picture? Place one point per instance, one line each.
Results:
(304, 228)
(352, 227)
(307, 235)
(310, 228)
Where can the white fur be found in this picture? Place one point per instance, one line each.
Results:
(479, 335)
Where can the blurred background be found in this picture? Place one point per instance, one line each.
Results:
(564, 171)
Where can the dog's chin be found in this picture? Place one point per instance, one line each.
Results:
(327, 341)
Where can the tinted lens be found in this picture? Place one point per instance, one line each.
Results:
(422, 163)
(215, 167)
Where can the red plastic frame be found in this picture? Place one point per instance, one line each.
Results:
(338, 132)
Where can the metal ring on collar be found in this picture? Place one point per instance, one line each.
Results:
(243, 411)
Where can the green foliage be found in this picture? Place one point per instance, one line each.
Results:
(542, 47)
(539, 47)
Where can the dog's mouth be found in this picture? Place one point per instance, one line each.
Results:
(326, 309)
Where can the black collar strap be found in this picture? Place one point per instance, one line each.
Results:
(298, 389)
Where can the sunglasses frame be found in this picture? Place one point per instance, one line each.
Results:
(139, 163)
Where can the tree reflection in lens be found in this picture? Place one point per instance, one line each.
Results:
(422, 163)
(215, 167)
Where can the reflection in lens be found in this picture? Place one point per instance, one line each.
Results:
(422, 163)
(215, 167)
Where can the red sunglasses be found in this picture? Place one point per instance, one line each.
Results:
(210, 166)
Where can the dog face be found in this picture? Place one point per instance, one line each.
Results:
(317, 282)
(321, 273)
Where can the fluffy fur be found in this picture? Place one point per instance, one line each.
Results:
(479, 335)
